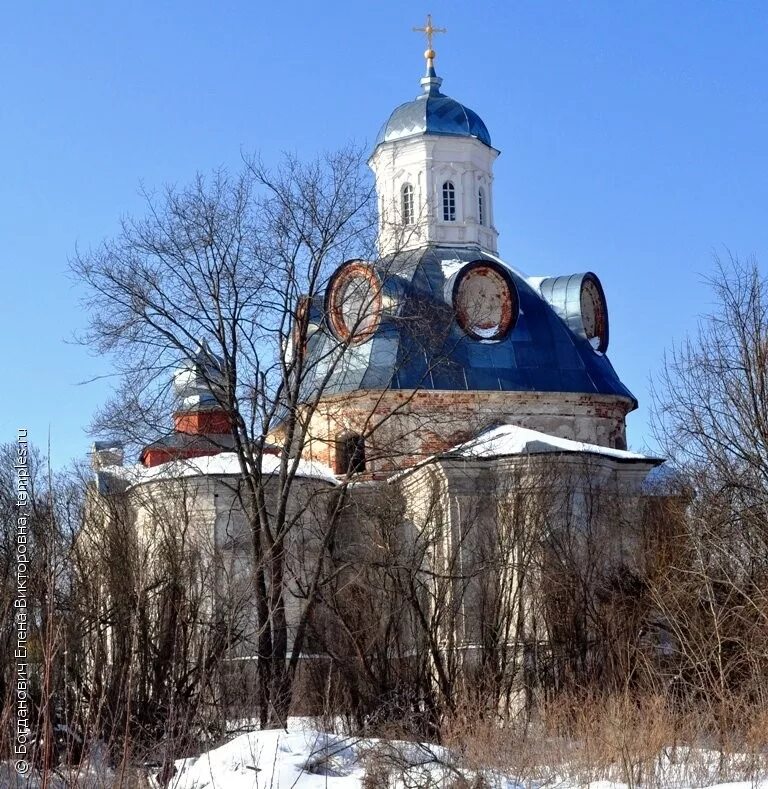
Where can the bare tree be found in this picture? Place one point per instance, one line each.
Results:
(711, 411)
(52, 518)
(241, 262)
(711, 398)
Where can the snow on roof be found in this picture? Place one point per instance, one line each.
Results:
(515, 440)
(450, 266)
(222, 464)
(535, 282)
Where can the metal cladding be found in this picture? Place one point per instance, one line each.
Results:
(419, 344)
(183, 444)
(566, 295)
(433, 113)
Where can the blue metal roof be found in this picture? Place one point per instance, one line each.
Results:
(419, 345)
(433, 113)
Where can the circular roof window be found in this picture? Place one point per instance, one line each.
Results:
(485, 301)
(354, 302)
(594, 313)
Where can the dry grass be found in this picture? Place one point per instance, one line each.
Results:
(616, 738)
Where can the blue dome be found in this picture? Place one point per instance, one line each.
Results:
(541, 353)
(433, 113)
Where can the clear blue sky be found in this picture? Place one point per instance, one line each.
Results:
(634, 141)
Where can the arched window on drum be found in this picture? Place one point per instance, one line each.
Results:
(449, 202)
(406, 204)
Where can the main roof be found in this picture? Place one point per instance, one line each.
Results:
(419, 345)
(433, 113)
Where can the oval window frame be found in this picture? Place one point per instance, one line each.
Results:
(334, 310)
(603, 336)
(510, 308)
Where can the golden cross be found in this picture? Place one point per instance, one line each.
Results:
(429, 30)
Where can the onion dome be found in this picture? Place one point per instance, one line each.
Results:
(202, 426)
(199, 381)
(433, 113)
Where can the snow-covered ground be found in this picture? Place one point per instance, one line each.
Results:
(305, 758)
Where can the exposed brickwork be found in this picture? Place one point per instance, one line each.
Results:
(154, 456)
(213, 422)
(404, 427)
(201, 423)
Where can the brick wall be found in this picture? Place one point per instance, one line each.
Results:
(403, 427)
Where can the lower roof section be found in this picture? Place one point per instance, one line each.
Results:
(112, 479)
(513, 441)
(508, 440)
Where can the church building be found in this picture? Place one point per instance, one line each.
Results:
(442, 374)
